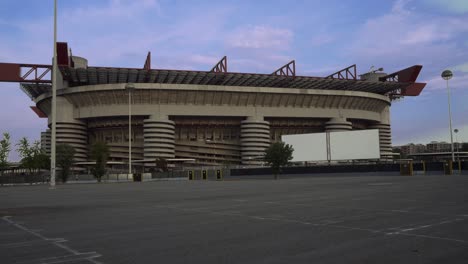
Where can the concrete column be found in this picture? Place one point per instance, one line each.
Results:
(385, 138)
(45, 141)
(74, 133)
(338, 124)
(70, 130)
(159, 138)
(255, 139)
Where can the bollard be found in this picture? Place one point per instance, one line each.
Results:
(406, 169)
(448, 167)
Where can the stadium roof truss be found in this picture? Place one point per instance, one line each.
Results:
(35, 79)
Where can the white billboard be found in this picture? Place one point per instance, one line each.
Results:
(307, 147)
(354, 145)
(345, 145)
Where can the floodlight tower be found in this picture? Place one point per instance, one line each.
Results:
(447, 75)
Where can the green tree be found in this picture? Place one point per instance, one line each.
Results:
(65, 160)
(26, 153)
(100, 154)
(33, 157)
(277, 156)
(5, 147)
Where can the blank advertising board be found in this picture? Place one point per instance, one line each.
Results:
(307, 147)
(353, 145)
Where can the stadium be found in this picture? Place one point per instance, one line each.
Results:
(212, 117)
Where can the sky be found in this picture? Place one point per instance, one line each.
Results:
(257, 36)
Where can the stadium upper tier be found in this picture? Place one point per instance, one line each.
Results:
(102, 75)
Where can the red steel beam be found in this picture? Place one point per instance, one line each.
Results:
(34, 73)
(38, 112)
(62, 54)
(408, 75)
(414, 89)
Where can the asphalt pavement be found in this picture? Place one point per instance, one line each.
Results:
(386, 219)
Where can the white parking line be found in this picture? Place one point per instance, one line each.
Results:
(331, 225)
(89, 256)
(426, 226)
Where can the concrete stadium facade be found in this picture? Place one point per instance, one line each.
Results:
(226, 118)
(212, 124)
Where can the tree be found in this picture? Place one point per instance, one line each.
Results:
(33, 157)
(99, 153)
(65, 159)
(5, 147)
(277, 156)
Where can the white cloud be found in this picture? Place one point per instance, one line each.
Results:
(453, 6)
(322, 39)
(260, 37)
(403, 36)
(462, 67)
(459, 81)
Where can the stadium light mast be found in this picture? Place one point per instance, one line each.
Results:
(458, 144)
(54, 104)
(447, 75)
(130, 87)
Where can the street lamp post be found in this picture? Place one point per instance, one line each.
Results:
(130, 87)
(447, 75)
(456, 142)
(53, 138)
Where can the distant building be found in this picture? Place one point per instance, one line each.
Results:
(412, 149)
(443, 146)
(434, 150)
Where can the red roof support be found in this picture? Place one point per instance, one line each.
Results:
(348, 73)
(409, 74)
(38, 112)
(221, 66)
(147, 65)
(288, 69)
(62, 54)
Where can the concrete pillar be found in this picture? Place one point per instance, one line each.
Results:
(338, 124)
(159, 138)
(255, 139)
(70, 130)
(74, 133)
(385, 138)
(45, 141)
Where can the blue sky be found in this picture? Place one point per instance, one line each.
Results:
(257, 36)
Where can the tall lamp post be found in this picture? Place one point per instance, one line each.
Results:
(458, 144)
(130, 87)
(54, 105)
(447, 75)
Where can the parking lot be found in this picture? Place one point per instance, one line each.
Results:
(387, 219)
